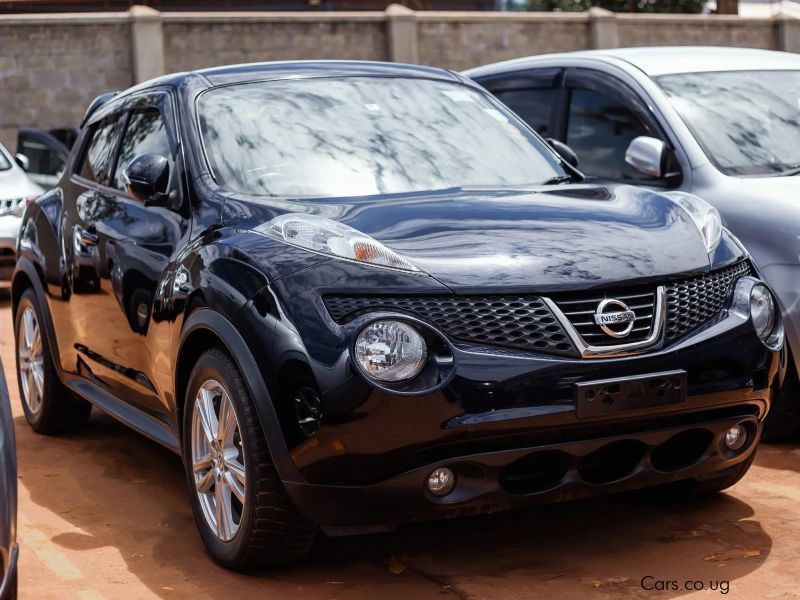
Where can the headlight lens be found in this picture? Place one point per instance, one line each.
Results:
(327, 236)
(762, 311)
(390, 351)
(705, 217)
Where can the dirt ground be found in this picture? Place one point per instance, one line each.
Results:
(104, 514)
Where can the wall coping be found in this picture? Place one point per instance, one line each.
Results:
(108, 18)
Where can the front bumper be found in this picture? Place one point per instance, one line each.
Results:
(8, 585)
(9, 227)
(500, 480)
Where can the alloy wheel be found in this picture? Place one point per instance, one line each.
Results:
(31, 361)
(218, 460)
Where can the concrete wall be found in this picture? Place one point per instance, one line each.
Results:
(51, 66)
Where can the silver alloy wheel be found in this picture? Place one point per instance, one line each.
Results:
(31, 362)
(218, 459)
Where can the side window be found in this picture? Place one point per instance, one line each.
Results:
(45, 165)
(532, 105)
(99, 158)
(599, 130)
(146, 133)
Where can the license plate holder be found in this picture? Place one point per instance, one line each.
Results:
(611, 396)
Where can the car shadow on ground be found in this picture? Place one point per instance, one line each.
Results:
(118, 489)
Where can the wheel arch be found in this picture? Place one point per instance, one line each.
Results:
(204, 329)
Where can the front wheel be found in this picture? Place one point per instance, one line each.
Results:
(244, 516)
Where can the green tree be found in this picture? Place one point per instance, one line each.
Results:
(642, 6)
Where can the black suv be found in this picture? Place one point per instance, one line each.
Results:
(354, 295)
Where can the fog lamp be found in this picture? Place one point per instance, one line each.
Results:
(735, 437)
(441, 481)
(390, 351)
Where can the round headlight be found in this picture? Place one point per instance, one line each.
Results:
(762, 311)
(390, 351)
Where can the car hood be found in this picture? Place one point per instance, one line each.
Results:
(14, 183)
(556, 237)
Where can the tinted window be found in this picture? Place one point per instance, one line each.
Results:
(599, 130)
(360, 136)
(532, 105)
(748, 122)
(99, 157)
(45, 164)
(145, 133)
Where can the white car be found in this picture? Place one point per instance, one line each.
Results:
(16, 190)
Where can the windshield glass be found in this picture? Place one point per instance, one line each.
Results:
(747, 122)
(361, 136)
(5, 165)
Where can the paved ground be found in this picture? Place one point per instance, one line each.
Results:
(104, 514)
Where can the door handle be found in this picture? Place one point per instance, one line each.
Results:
(88, 238)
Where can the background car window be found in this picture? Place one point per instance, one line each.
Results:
(146, 133)
(599, 130)
(99, 158)
(5, 164)
(45, 165)
(532, 105)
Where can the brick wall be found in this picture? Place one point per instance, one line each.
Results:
(49, 72)
(51, 66)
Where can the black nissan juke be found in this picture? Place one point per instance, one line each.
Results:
(353, 295)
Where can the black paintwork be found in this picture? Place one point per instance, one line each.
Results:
(8, 496)
(133, 294)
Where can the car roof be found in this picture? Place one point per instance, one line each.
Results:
(664, 60)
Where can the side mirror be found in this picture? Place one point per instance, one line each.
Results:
(23, 161)
(146, 179)
(564, 151)
(647, 155)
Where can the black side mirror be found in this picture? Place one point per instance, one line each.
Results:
(146, 179)
(564, 152)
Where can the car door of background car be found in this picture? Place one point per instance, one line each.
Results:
(46, 156)
(121, 250)
(535, 95)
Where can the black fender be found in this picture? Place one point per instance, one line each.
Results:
(25, 266)
(222, 328)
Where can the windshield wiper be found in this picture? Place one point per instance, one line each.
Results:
(559, 179)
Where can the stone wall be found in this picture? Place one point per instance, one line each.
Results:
(49, 71)
(51, 66)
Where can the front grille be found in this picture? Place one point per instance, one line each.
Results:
(9, 204)
(694, 302)
(525, 322)
(580, 310)
(522, 322)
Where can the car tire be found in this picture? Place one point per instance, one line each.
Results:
(695, 489)
(269, 529)
(783, 420)
(48, 406)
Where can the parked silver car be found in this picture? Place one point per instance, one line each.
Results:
(8, 498)
(16, 189)
(722, 123)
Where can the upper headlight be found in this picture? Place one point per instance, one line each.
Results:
(330, 237)
(390, 351)
(762, 311)
(705, 217)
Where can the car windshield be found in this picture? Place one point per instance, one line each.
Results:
(5, 164)
(747, 122)
(364, 136)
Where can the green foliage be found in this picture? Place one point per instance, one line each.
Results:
(643, 6)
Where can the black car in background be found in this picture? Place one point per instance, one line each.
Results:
(354, 295)
(8, 498)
